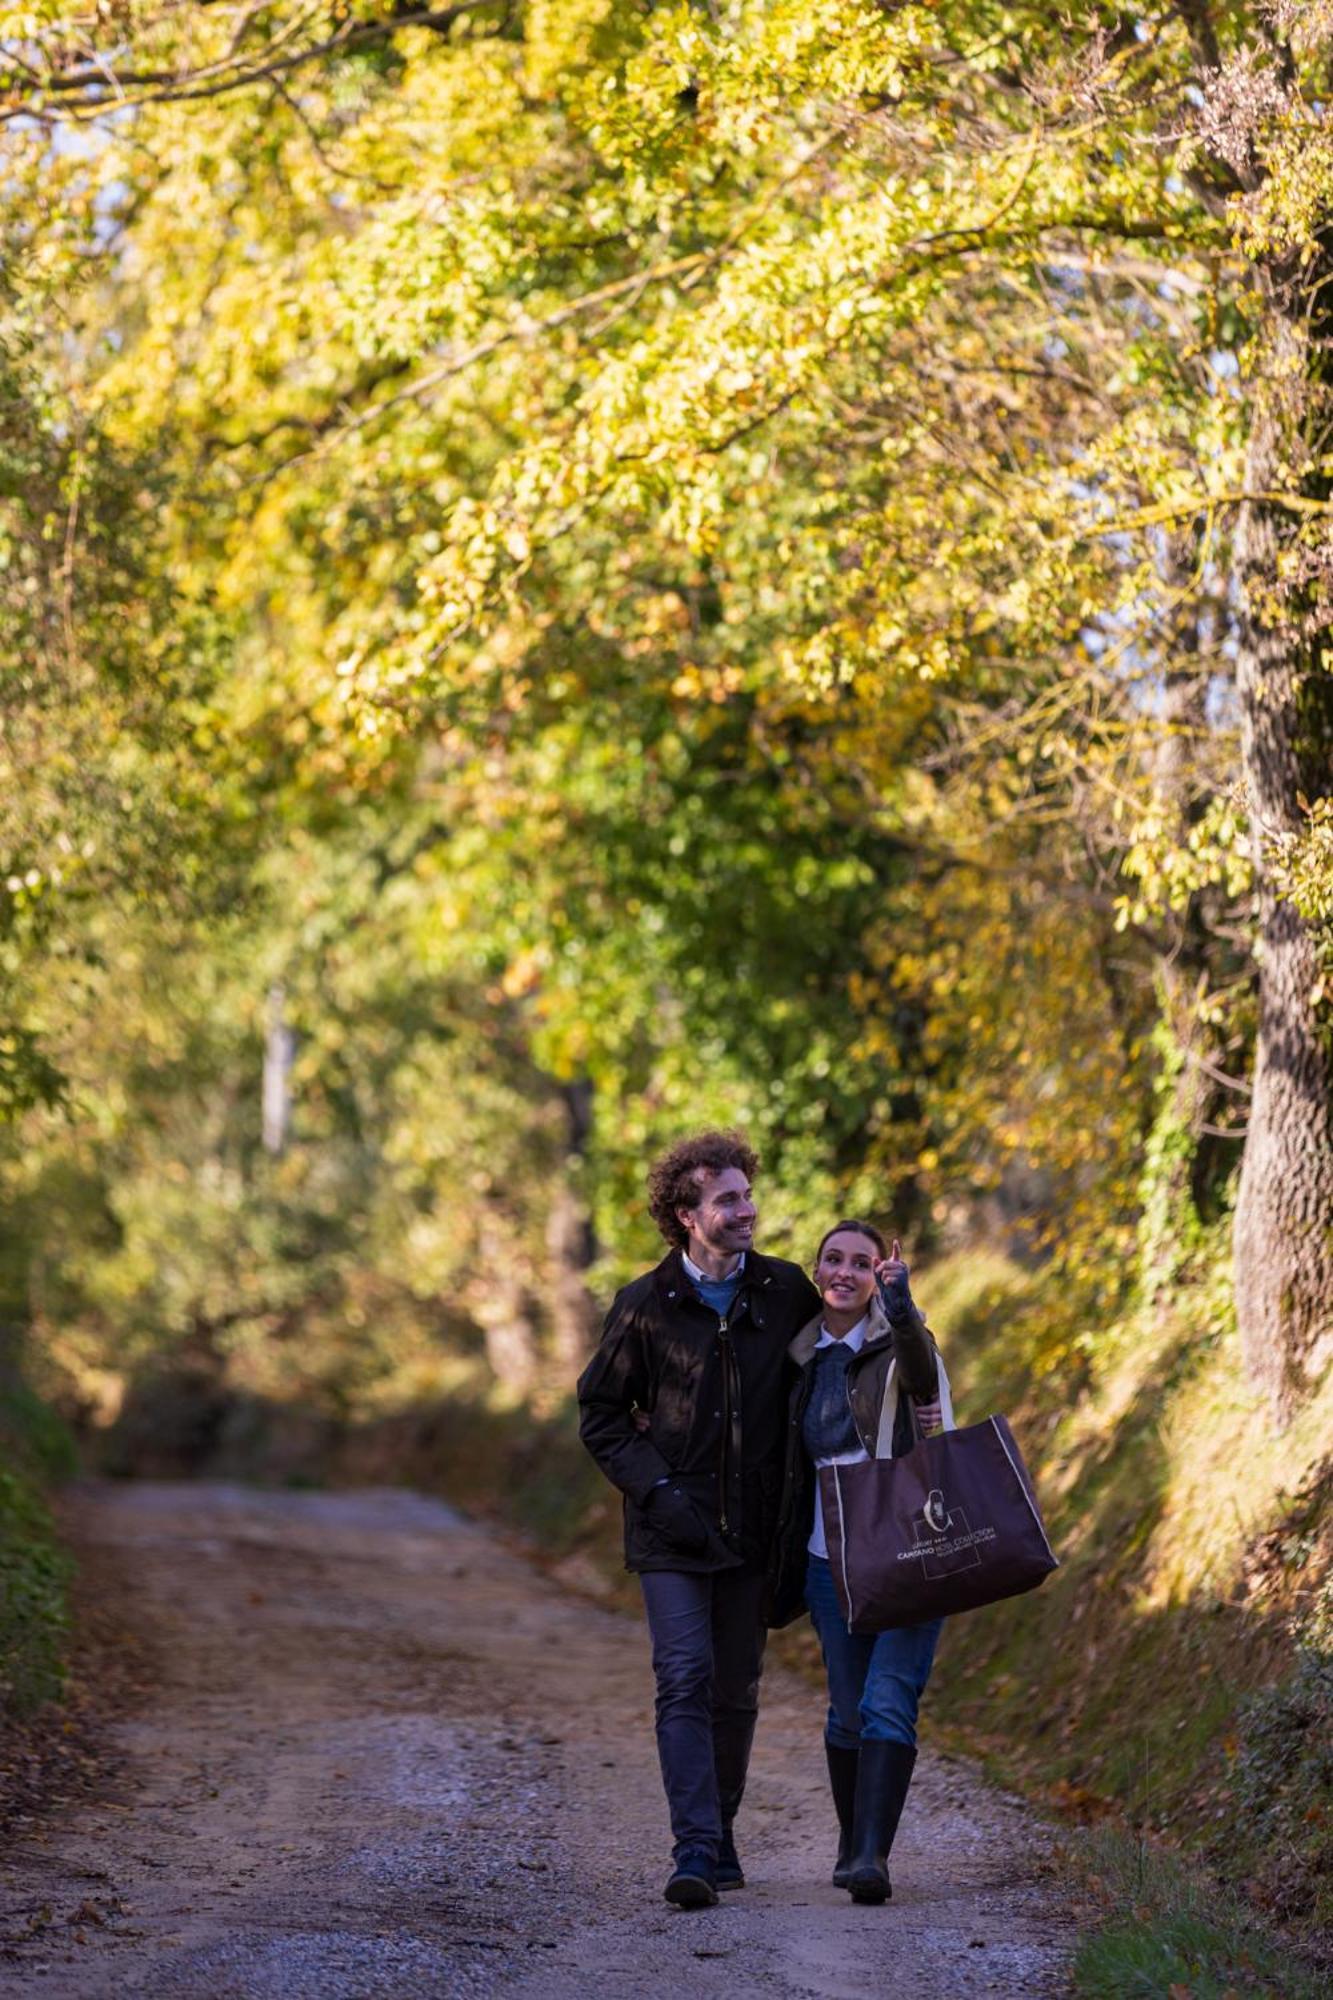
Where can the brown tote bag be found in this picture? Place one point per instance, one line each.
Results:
(952, 1524)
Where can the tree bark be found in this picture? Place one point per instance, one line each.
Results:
(1283, 1234)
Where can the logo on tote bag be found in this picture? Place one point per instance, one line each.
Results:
(945, 1540)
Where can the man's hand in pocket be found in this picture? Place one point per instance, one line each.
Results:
(677, 1519)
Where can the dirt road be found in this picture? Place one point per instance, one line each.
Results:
(388, 1759)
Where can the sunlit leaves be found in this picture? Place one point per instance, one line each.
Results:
(718, 524)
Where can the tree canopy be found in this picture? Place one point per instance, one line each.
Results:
(655, 564)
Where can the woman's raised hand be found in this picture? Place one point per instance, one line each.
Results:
(892, 1275)
(891, 1266)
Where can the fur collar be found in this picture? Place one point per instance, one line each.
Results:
(803, 1346)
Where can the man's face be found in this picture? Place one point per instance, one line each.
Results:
(723, 1218)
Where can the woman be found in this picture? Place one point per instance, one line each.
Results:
(870, 1383)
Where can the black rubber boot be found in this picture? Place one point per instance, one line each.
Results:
(842, 1781)
(883, 1774)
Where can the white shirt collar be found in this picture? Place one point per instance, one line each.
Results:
(856, 1339)
(692, 1270)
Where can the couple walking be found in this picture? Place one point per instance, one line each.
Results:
(723, 1380)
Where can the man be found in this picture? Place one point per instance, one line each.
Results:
(684, 1408)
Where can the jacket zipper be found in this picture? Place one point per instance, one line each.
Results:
(724, 1339)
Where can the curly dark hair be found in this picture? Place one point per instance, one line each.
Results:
(673, 1181)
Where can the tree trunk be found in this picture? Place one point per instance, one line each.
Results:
(1283, 1236)
(569, 1242)
(279, 1054)
(503, 1310)
(1187, 1147)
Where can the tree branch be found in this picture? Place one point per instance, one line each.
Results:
(164, 86)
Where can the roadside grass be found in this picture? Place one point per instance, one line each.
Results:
(1167, 1933)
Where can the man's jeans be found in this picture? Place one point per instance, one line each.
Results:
(708, 1652)
(875, 1680)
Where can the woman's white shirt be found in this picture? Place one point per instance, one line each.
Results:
(855, 1340)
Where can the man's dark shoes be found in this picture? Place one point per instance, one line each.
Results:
(693, 1884)
(728, 1873)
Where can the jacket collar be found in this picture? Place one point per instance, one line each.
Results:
(674, 1283)
(802, 1348)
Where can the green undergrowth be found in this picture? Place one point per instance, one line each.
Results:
(34, 1569)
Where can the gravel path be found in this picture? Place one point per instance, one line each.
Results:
(388, 1759)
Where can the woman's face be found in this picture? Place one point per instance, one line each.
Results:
(845, 1273)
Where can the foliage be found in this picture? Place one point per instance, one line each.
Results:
(1304, 865)
(106, 802)
(35, 1439)
(838, 426)
(506, 379)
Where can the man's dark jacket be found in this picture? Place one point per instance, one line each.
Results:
(715, 1393)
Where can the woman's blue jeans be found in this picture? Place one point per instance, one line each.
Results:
(875, 1680)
